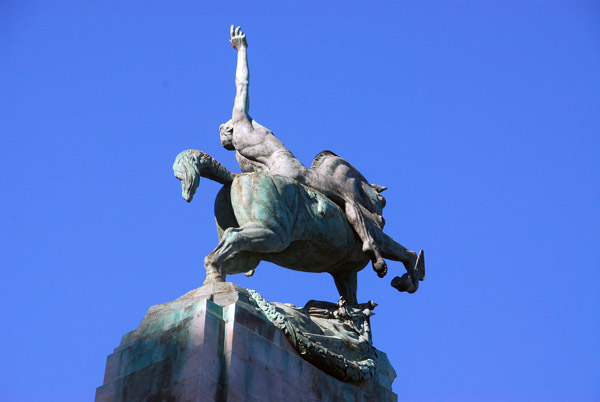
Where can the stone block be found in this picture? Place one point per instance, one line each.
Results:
(293, 394)
(235, 395)
(208, 390)
(296, 371)
(204, 360)
(211, 344)
(248, 317)
(113, 366)
(253, 378)
(236, 339)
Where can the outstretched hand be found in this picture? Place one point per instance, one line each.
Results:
(238, 38)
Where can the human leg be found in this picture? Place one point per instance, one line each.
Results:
(365, 225)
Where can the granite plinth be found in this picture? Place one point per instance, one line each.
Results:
(212, 344)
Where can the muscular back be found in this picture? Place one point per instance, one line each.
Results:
(256, 144)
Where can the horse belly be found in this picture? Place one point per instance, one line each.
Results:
(310, 256)
(319, 236)
(322, 237)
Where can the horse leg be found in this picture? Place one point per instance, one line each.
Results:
(241, 261)
(226, 258)
(346, 284)
(225, 218)
(414, 264)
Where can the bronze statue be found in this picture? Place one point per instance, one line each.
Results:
(324, 219)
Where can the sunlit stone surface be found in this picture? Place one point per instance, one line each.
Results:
(212, 344)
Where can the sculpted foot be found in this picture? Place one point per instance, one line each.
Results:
(249, 273)
(420, 266)
(411, 264)
(379, 264)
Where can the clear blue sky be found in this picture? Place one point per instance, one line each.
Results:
(482, 118)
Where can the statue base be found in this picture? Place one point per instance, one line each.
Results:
(214, 344)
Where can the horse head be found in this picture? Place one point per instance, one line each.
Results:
(186, 169)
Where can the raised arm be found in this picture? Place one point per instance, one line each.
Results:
(242, 75)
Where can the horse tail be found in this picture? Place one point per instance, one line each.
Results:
(191, 164)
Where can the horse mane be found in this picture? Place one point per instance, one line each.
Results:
(192, 164)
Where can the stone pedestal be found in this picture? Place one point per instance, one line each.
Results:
(212, 344)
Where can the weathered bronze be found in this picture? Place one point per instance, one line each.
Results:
(324, 219)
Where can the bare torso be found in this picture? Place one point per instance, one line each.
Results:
(259, 150)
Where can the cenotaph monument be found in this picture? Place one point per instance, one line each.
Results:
(221, 342)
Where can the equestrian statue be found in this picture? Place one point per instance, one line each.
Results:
(324, 219)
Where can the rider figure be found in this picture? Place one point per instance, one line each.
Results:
(257, 149)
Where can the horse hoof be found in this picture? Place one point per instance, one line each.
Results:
(420, 266)
(404, 284)
(215, 278)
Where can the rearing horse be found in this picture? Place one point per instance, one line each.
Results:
(266, 217)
